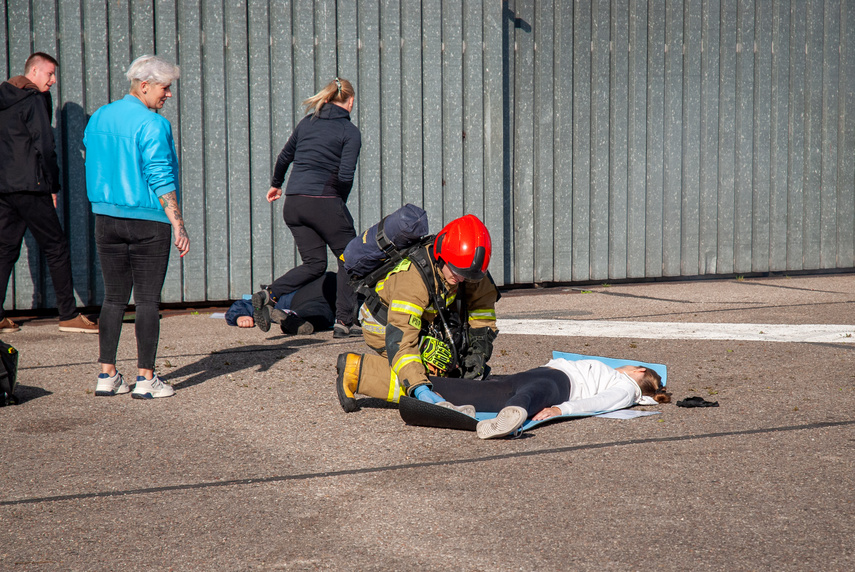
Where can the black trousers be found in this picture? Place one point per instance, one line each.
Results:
(533, 390)
(134, 256)
(318, 222)
(18, 212)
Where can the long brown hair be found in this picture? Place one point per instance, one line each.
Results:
(651, 384)
(339, 90)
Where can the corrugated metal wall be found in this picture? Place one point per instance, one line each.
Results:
(599, 140)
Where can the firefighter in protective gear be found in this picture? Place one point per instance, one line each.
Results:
(453, 267)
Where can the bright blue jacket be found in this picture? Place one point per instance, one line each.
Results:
(130, 161)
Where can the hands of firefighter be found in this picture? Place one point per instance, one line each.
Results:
(474, 365)
(436, 353)
(424, 393)
(546, 414)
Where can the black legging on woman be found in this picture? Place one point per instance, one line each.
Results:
(533, 390)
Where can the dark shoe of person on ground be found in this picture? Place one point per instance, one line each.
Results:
(342, 330)
(80, 324)
(7, 326)
(348, 367)
(291, 323)
(261, 303)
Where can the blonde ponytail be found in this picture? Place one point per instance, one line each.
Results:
(339, 90)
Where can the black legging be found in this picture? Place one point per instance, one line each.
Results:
(533, 390)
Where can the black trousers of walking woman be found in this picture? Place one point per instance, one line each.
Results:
(533, 390)
(318, 222)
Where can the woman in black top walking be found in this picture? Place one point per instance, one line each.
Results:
(322, 153)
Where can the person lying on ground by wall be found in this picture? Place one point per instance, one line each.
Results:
(561, 387)
(308, 309)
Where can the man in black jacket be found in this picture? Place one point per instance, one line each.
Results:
(29, 181)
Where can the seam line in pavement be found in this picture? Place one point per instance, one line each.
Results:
(367, 470)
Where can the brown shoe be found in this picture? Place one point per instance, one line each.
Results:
(7, 326)
(79, 324)
(348, 368)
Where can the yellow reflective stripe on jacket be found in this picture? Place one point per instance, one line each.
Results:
(405, 360)
(401, 266)
(406, 308)
(482, 314)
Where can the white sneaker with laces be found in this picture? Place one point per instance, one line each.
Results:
(464, 409)
(506, 422)
(151, 388)
(108, 386)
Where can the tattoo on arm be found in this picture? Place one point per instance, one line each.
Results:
(169, 202)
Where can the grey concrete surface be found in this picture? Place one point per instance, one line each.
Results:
(252, 465)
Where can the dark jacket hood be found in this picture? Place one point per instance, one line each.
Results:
(332, 111)
(15, 90)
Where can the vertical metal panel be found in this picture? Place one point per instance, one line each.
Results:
(325, 39)
(813, 134)
(347, 26)
(846, 140)
(708, 215)
(474, 92)
(828, 149)
(214, 154)
(390, 105)
(744, 130)
(618, 143)
(691, 139)
(600, 196)
(544, 139)
(726, 137)
(284, 113)
(508, 129)
(581, 266)
(779, 125)
(562, 233)
(370, 159)
(187, 278)
(497, 207)
(411, 102)
(762, 120)
(452, 114)
(523, 134)
(636, 140)
(432, 109)
(71, 121)
(243, 248)
(796, 127)
(672, 167)
(655, 138)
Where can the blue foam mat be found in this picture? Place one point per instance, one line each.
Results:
(611, 362)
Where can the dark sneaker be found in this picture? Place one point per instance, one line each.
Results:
(342, 330)
(261, 309)
(291, 323)
(79, 324)
(7, 326)
(347, 382)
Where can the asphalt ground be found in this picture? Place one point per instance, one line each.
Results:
(253, 465)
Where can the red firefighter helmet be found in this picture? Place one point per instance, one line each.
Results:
(464, 245)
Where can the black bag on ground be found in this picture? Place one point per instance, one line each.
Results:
(8, 374)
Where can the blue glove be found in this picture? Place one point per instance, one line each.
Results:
(424, 393)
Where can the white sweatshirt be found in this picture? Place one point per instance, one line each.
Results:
(595, 387)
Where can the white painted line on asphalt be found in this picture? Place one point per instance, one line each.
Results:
(682, 330)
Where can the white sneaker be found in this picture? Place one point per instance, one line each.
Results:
(506, 422)
(109, 386)
(464, 409)
(151, 388)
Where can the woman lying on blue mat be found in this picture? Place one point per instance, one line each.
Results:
(561, 387)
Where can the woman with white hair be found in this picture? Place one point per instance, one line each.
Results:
(132, 183)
